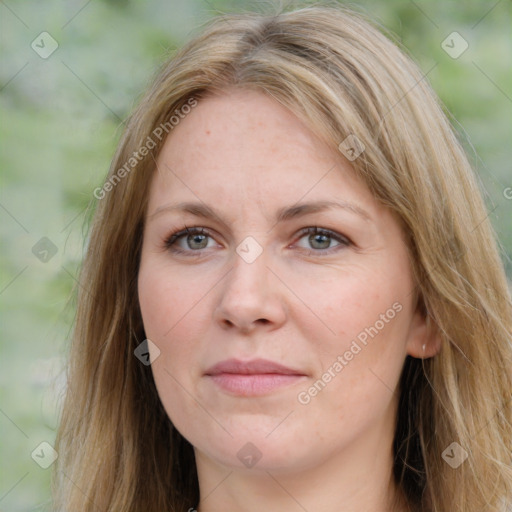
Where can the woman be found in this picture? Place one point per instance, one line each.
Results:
(292, 295)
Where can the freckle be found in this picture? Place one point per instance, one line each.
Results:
(207, 132)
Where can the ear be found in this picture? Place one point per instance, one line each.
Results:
(424, 340)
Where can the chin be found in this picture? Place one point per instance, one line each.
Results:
(252, 449)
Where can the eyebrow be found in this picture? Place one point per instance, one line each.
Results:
(283, 214)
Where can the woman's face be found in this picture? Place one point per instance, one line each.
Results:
(289, 259)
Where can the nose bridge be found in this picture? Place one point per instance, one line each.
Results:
(248, 277)
(248, 295)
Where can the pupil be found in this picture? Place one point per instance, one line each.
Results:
(197, 241)
(319, 241)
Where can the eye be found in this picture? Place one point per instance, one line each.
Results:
(321, 240)
(189, 240)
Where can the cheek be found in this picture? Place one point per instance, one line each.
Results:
(170, 315)
(343, 304)
(175, 313)
(165, 299)
(364, 320)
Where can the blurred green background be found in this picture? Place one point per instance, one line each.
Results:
(62, 117)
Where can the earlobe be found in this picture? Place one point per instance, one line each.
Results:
(424, 336)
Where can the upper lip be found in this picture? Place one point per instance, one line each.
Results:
(252, 367)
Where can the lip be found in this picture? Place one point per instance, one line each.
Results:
(252, 378)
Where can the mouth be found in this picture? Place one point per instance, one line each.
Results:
(252, 378)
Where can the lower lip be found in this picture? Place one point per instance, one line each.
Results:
(254, 384)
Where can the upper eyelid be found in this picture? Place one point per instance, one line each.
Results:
(189, 230)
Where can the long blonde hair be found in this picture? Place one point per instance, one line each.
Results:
(336, 71)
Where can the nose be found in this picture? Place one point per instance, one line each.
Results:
(251, 298)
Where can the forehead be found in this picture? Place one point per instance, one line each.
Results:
(238, 125)
(243, 145)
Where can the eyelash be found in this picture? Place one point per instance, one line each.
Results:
(170, 241)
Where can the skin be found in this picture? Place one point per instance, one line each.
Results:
(299, 303)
